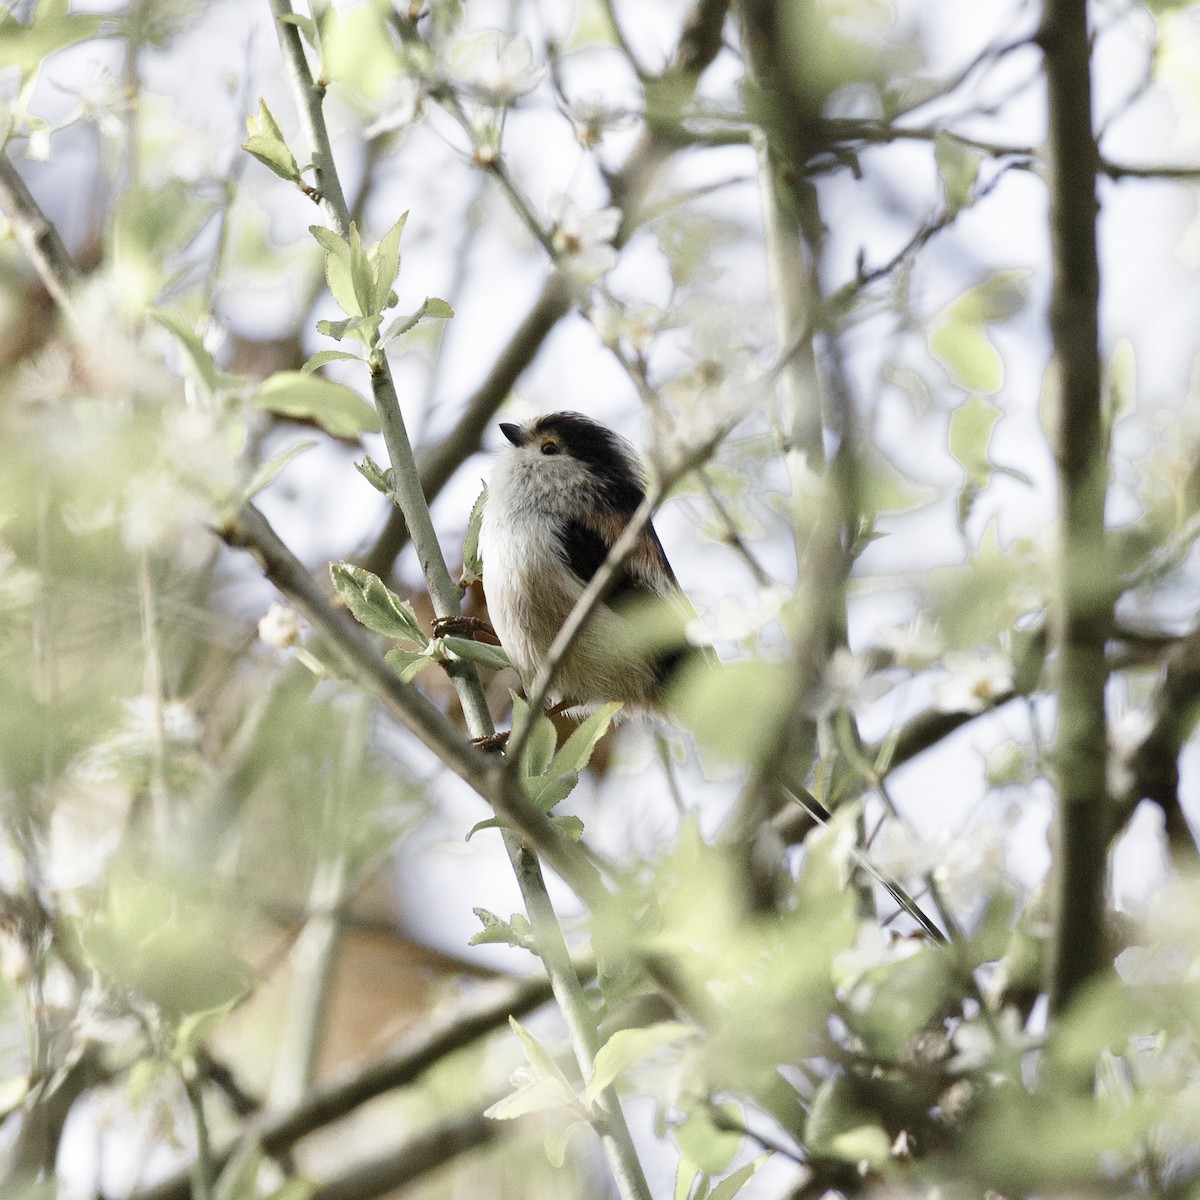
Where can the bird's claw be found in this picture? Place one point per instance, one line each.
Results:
(462, 626)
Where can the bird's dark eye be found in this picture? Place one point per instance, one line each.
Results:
(550, 447)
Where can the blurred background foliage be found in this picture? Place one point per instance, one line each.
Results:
(236, 897)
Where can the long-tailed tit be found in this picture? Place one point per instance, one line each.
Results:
(559, 497)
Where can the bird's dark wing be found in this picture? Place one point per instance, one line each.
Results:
(585, 546)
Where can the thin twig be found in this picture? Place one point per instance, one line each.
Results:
(450, 1030)
(39, 238)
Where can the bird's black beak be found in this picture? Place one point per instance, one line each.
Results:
(512, 432)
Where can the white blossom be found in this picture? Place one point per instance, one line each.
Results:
(976, 681)
(583, 242)
(280, 626)
(503, 68)
(915, 645)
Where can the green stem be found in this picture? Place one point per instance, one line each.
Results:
(446, 601)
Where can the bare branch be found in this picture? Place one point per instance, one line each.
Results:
(1155, 763)
(451, 1031)
(354, 653)
(38, 236)
(418, 1156)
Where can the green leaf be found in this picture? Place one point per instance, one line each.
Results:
(628, 1046)
(307, 27)
(514, 932)
(472, 571)
(431, 309)
(970, 359)
(357, 50)
(339, 410)
(492, 657)
(958, 335)
(541, 1095)
(408, 664)
(703, 1143)
(239, 1178)
(382, 481)
(839, 1127)
(265, 142)
(53, 29)
(295, 1188)
(361, 277)
(571, 826)
(539, 748)
(576, 751)
(732, 1184)
(555, 1142)
(548, 790)
(337, 270)
(374, 604)
(971, 426)
(385, 262)
(548, 1089)
(362, 329)
(479, 826)
(327, 356)
(204, 366)
(266, 473)
(958, 165)
(734, 708)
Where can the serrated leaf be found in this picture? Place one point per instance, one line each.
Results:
(408, 664)
(266, 473)
(385, 263)
(628, 1046)
(539, 748)
(492, 657)
(431, 309)
(514, 932)
(327, 356)
(576, 751)
(381, 480)
(548, 790)
(569, 825)
(361, 329)
(338, 409)
(265, 142)
(338, 273)
(472, 571)
(361, 276)
(203, 364)
(374, 604)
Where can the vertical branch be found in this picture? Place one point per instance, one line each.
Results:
(548, 937)
(1084, 598)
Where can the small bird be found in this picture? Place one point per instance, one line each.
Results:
(559, 498)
